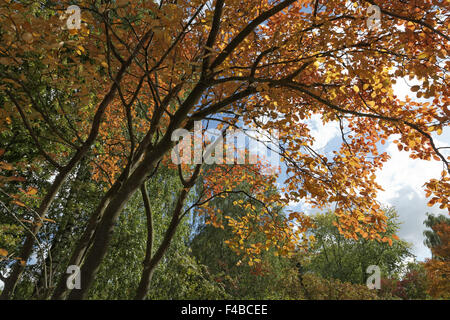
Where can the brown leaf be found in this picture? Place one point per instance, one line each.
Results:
(3, 252)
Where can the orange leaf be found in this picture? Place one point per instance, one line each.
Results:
(19, 203)
(32, 191)
(6, 166)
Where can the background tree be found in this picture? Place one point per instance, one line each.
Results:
(334, 256)
(431, 237)
(178, 276)
(259, 278)
(414, 283)
(438, 268)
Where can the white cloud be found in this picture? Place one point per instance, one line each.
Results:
(322, 133)
(403, 178)
(402, 88)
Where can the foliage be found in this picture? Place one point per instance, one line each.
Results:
(413, 285)
(215, 243)
(178, 276)
(262, 280)
(431, 237)
(318, 288)
(334, 256)
(438, 268)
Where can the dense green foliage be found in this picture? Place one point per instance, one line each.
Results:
(335, 257)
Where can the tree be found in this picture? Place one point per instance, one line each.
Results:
(413, 284)
(178, 276)
(244, 274)
(438, 268)
(431, 237)
(335, 257)
(32, 74)
(115, 91)
(423, 280)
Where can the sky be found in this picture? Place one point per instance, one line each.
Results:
(402, 178)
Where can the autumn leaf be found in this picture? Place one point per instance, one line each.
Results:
(6, 166)
(32, 191)
(19, 203)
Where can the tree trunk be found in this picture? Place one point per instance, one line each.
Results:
(146, 162)
(63, 230)
(150, 264)
(105, 228)
(27, 248)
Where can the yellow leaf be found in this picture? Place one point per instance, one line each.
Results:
(422, 56)
(6, 166)
(355, 87)
(32, 191)
(28, 37)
